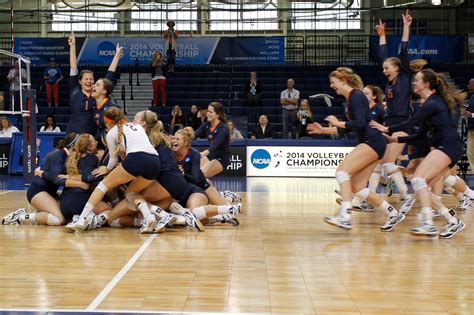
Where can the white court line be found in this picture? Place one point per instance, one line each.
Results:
(5, 192)
(107, 311)
(103, 294)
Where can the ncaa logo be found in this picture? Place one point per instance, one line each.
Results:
(106, 49)
(260, 158)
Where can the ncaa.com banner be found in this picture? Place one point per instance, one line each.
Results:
(435, 48)
(294, 161)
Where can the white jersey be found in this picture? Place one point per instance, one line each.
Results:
(134, 139)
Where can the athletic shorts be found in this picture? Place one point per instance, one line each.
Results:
(73, 201)
(39, 185)
(420, 149)
(223, 159)
(377, 143)
(454, 150)
(174, 183)
(142, 164)
(190, 189)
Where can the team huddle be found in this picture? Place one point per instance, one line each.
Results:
(428, 124)
(141, 177)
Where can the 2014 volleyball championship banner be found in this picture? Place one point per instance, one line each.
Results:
(434, 48)
(189, 50)
(295, 161)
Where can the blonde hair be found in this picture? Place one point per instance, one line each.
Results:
(153, 128)
(394, 61)
(116, 115)
(304, 100)
(188, 135)
(79, 148)
(438, 83)
(417, 65)
(349, 76)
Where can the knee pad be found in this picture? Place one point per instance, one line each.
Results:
(450, 181)
(129, 196)
(362, 194)
(102, 187)
(418, 184)
(378, 168)
(342, 177)
(389, 168)
(52, 220)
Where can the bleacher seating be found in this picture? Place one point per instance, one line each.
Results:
(205, 83)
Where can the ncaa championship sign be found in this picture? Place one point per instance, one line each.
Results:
(294, 161)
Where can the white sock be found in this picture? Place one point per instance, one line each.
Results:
(223, 209)
(216, 219)
(143, 207)
(374, 181)
(427, 214)
(116, 223)
(401, 185)
(156, 211)
(460, 196)
(469, 192)
(345, 209)
(29, 218)
(449, 215)
(389, 210)
(180, 220)
(52, 220)
(88, 208)
(137, 222)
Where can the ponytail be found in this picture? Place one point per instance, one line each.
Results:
(80, 147)
(438, 83)
(114, 116)
(153, 128)
(349, 76)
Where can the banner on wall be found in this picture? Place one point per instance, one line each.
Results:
(294, 161)
(434, 48)
(189, 50)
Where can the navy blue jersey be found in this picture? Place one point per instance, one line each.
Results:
(99, 110)
(218, 139)
(378, 113)
(82, 107)
(167, 158)
(54, 166)
(358, 116)
(191, 164)
(433, 115)
(86, 164)
(398, 92)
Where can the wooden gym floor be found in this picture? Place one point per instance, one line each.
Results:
(282, 259)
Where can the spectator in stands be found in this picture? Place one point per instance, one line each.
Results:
(469, 115)
(304, 116)
(263, 130)
(289, 99)
(14, 80)
(254, 92)
(203, 114)
(7, 129)
(52, 76)
(194, 119)
(171, 35)
(178, 119)
(50, 125)
(234, 134)
(2, 100)
(158, 74)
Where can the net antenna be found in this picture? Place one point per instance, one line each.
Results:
(23, 85)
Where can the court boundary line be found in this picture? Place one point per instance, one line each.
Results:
(5, 192)
(107, 311)
(112, 283)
